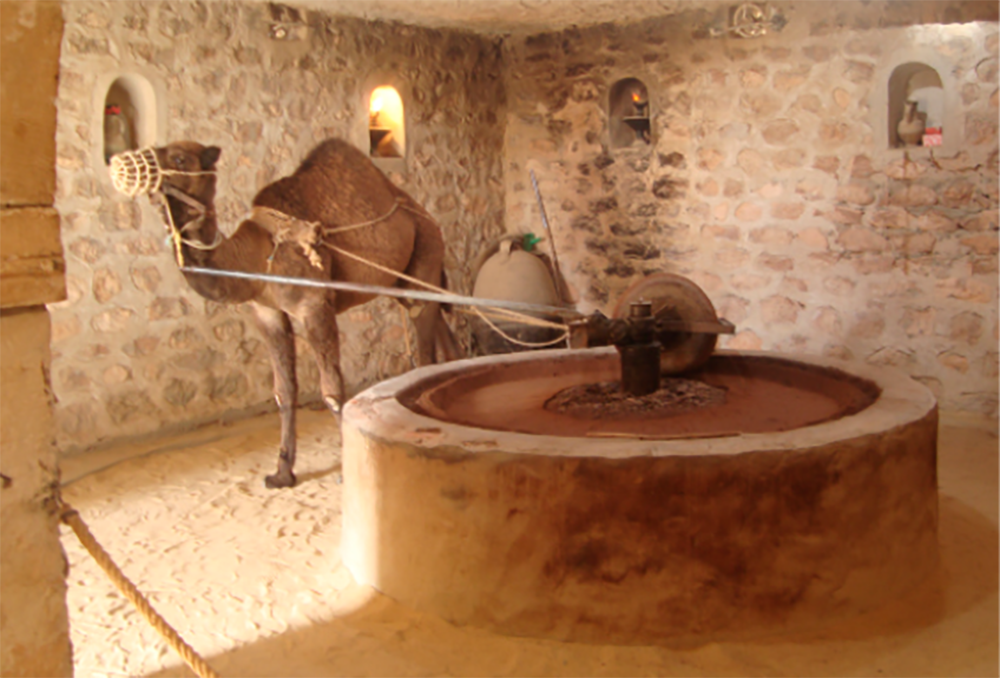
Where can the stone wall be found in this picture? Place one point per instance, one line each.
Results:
(762, 181)
(34, 628)
(134, 349)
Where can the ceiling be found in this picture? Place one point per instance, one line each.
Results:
(498, 16)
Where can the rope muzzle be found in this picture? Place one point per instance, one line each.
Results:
(139, 172)
(136, 172)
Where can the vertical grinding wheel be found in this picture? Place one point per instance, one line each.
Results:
(675, 297)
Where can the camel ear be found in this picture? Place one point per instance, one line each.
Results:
(209, 157)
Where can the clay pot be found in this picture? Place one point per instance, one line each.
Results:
(911, 128)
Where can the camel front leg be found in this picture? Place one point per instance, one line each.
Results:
(276, 328)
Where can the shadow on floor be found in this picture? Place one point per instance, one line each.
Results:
(948, 626)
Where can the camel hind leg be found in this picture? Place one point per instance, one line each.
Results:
(427, 264)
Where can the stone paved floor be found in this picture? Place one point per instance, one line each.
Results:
(252, 578)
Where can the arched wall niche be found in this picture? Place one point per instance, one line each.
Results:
(386, 123)
(129, 113)
(919, 83)
(382, 123)
(922, 77)
(629, 115)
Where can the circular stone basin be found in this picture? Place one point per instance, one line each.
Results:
(805, 492)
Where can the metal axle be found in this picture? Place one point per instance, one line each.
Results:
(398, 292)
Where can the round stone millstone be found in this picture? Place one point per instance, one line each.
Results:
(637, 537)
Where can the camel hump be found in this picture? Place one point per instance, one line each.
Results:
(332, 153)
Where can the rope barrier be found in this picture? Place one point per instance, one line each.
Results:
(71, 517)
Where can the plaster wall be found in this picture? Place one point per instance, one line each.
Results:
(134, 349)
(34, 635)
(769, 182)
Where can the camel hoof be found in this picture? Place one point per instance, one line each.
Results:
(279, 480)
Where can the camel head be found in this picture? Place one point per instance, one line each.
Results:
(180, 176)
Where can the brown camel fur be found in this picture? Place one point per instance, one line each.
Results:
(336, 186)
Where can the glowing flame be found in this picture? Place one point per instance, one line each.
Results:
(635, 97)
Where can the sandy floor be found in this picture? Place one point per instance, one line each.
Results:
(251, 578)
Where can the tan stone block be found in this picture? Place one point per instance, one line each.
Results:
(787, 210)
(116, 374)
(776, 262)
(791, 158)
(168, 307)
(721, 211)
(934, 221)
(984, 265)
(967, 327)
(106, 285)
(890, 217)
(779, 131)
(809, 102)
(720, 232)
(709, 282)
(810, 190)
(748, 281)
(709, 187)
(753, 77)
(980, 131)
(987, 220)
(918, 322)
(829, 321)
(733, 188)
(784, 81)
(780, 310)
(731, 258)
(732, 308)
(747, 340)
(920, 243)
(65, 328)
(982, 244)
(146, 278)
(862, 240)
(112, 320)
(914, 196)
(833, 134)
(709, 159)
(954, 361)
(868, 325)
(958, 194)
(845, 216)
(861, 167)
(868, 263)
(793, 285)
(990, 364)
(893, 357)
(748, 211)
(813, 237)
(856, 194)
(904, 169)
(965, 289)
(827, 163)
(842, 98)
(772, 235)
(839, 286)
(761, 104)
(28, 90)
(751, 162)
(838, 351)
(32, 270)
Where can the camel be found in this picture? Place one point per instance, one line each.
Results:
(312, 224)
